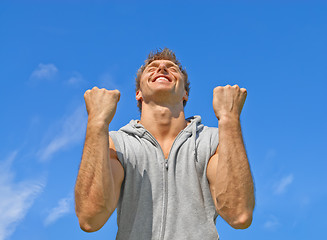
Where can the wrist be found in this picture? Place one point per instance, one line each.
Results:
(229, 120)
(97, 123)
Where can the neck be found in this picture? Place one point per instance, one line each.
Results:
(163, 122)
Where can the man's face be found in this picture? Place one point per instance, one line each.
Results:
(162, 81)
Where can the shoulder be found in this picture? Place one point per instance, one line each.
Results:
(208, 134)
(207, 138)
(117, 145)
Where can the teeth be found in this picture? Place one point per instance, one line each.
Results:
(162, 79)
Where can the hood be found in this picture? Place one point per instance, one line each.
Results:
(136, 128)
(191, 130)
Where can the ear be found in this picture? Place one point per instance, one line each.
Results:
(138, 95)
(185, 97)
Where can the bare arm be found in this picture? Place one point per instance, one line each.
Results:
(228, 170)
(100, 175)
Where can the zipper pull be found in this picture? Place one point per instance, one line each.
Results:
(166, 163)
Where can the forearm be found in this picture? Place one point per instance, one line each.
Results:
(94, 191)
(234, 184)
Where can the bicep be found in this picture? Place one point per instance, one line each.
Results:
(211, 174)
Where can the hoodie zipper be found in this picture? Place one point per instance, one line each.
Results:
(165, 202)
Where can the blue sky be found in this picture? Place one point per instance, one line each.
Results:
(51, 53)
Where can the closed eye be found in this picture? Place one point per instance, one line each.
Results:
(172, 68)
(151, 69)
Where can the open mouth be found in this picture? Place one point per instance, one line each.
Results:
(161, 79)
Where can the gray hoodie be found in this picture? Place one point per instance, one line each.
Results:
(166, 198)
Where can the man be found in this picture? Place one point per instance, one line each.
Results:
(166, 175)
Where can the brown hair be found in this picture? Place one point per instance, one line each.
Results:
(161, 54)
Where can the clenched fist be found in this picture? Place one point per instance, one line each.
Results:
(228, 101)
(101, 104)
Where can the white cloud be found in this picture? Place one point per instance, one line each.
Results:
(281, 186)
(75, 79)
(272, 223)
(72, 131)
(44, 72)
(63, 207)
(16, 198)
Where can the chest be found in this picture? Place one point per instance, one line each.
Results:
(166, 147)
(172, 157)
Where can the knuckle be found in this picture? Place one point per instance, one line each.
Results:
(217, 88)
(117, 94)
(87, 92)
(114, 93)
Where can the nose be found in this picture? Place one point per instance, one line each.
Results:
(162, 68)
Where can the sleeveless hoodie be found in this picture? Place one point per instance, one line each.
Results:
(166, 199)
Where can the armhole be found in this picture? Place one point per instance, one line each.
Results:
(214, 140)
(120, 156)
